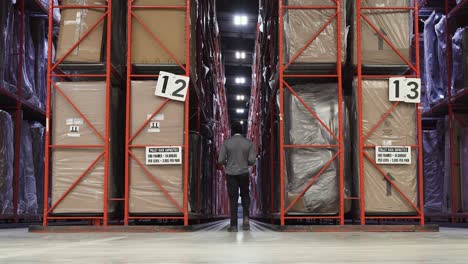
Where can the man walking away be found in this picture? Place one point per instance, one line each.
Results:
(237, 154)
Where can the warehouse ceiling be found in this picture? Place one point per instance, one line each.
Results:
(238, 25)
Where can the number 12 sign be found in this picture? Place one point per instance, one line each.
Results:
(172, 86)
(405, 90)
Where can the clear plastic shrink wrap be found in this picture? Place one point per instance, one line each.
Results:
(395, 24)
(398, 129)
(69, 128)
(300, 25)
(302, 164)
(145, 50)
(145, 195)
(6, 163)
(75, 23)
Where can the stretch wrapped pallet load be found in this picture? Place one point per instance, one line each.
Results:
(464, 167)
(145, 49)
(196, 150)
(37, 136)
(398, 129)
(434, 147)
(303, 164)
(75, 23)
(6, 163)
(146, 197)
(459, 123)
(460, 59)
(27, 199)
(434, 89)
(5, 20)
(300, 25)
(68, 164)
(395, 24)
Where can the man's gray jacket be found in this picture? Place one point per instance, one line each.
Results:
(237, 153)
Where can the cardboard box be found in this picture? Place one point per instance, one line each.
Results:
(398, 129)
(74, 25)
(168, 25)
(145, 195)
(300, 25)
(68, 164)
(395, 25)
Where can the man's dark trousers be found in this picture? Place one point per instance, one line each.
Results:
(234, 182)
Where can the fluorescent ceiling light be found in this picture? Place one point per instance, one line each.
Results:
(240, 111)
(240, 20)
(240, 55)
(242, 122)
(240, 80)
(240, 97)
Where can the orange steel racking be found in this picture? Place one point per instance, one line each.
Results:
(131, 75)
(53, 71)
(454, 102)
(413, 72)
(283, 84)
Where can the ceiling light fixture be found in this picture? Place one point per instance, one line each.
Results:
(240, 20)
(240, 97)
(240, 55)
(240, 80)
(240, 111)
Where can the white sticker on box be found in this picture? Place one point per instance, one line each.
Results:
(78, 121)
(394, 155)
(69, 121)
(163, 155)
(73, 131)
(158, 117)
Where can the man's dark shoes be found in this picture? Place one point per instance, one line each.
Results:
(246, 224)
(232, 229)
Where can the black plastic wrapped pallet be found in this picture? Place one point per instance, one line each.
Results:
(5, 11)
(10, 72)
(195, 170)
(38, 136)
(433, 154)
(27, 199)
(434, 91)
(460, 60)
(39, 37)
(6, 163)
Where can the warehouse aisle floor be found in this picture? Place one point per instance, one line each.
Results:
(215, 245)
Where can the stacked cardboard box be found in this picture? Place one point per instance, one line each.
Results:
(75, 24)
(398, 129)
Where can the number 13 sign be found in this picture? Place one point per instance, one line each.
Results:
(405, 90)
(172, 86)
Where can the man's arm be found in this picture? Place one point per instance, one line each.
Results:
(222, 158)
(252, 155)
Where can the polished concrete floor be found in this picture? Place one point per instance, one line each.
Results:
(214, 245)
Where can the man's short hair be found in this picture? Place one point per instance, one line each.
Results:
(237, 128)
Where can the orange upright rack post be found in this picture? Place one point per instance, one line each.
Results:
(136, 72)
(414, 72)
(58, 69)
(284, 75)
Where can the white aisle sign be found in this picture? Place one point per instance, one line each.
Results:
(393, 155)
(163, 155)
(172, 86)
(405, 90)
